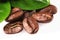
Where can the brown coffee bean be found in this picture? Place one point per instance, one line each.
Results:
(15, 10)
(30, 25)
(26, 14)
(15, 16)
(51, 8)
(43, 17)
(13, 28)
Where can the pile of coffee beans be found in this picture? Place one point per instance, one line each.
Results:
(19, 19)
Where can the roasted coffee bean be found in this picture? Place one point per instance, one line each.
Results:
(13, 28)
(15, 10)
(15, 16)
(26, 14)
(30, 25)
(51, 8)
(43, 17)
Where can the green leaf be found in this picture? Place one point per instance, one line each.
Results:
(4, 10)
(30, 4)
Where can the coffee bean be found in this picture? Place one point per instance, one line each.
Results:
(26, 14)
(30, 25)
(15, 16)
(15, 10)
(13, 28)
(43, 17)
(51, 8)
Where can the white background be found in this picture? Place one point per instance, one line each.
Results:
(48, 31)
